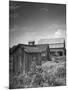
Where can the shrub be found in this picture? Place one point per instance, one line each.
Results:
(48, 74)
(54, 73)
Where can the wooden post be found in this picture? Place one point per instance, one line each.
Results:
(24, 64)
(48, 53)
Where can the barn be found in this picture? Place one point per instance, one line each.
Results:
(22, 56)
(57, 46)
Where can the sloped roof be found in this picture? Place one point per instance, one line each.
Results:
(11, 50)
(36, 48)
(30, 49)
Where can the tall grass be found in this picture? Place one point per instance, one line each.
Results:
(48, 74)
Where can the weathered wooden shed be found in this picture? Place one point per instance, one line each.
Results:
(22, 56)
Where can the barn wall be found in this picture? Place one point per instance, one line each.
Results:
(57, 50)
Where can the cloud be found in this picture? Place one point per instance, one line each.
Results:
(59, 33)
(44, 9)
(24, 34)
(56, 26)
(36, 36)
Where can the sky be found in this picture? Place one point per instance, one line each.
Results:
(29, 21)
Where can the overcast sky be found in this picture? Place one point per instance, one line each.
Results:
(34, 21)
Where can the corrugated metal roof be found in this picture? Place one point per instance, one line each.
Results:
(51, 41)
(60, 45)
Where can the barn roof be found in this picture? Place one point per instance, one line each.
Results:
(51, 41)
(58, 45)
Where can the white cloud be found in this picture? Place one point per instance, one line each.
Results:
(59, 33)
(24, 36)
(44, 9)
(36, 36)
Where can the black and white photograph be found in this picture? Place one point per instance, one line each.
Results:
(37, 44)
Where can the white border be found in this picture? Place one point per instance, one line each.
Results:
(4, 42)
(47, 1)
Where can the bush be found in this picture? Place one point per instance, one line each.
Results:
(54, 73)
(48, 74)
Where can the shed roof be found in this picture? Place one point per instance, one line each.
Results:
(30, 49)
(36, 49)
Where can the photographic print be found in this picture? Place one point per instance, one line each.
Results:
(37, 44)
